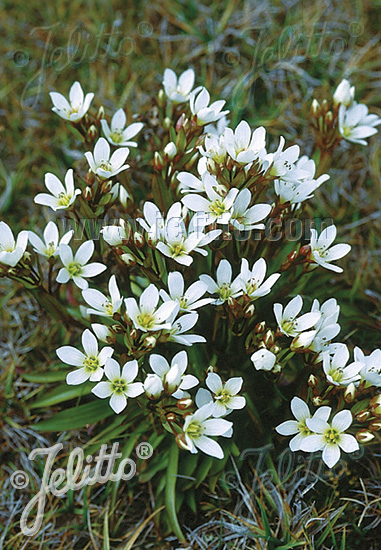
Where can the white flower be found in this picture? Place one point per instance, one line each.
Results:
(145, 316)
(203, 113)
(124, 196)
(327, 327)
(178, 90)
(218, 128)
(371, 371)
(335, 370)
(11, 251)
(245, 218)
(154, 222)
(299, 184)
(173, 376)
(75, 267)
(264, 359)
(188, 300)
(120, 385)
(251, 281)
(49, 246)
(282, 163)
(344, 94)
(119, 135)
(62, 197)
(322, 254)
(104, 166)
(170, 150)
(287, 321)
(218, 207)
(89, 363)
(78, 106)
(190, 184)
(330, 438)
(197, 428)
(225, 394)
(299, 427)
(182, 325)
(355, 124)
(153, 386)
(114, 235)
(225, 288)
(101, 304)
(214, 149)
(243, 147)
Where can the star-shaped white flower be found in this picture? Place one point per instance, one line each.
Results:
(322, 253)
(355, 124)
(225, 394)
(114, 235)
(120, 385)
(371, 371)
(118, 134)
(145, 316)
(225, 288)
(287, 320)
(188, 300)
(78, 106)
(217, 206)
(77, 268)
(49, 246)
(90, 364)
(62, 196)
(202, 111)
(245, 218)
(181, 326)
(11, 251)
(173, 376)
(251, 280)
(264, 359)
(243, 146)
(330, 438)
(104, 166)
(178, 90)
(335, 368)
(199, 426)
(344, 94)
(327, 327)
(102, 305)
(299, 427)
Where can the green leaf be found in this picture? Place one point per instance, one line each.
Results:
(76, 417)
(46, 377)
(61, 394)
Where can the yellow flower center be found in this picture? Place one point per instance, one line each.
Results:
(63, 199)
(119, 386)
(332, 435)
(91, 364)
(145, 320)
(74, 269)
(195, 429)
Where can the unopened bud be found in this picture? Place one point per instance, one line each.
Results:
(106, 187)
(138, 239)
(181, 442)
(292, 256)
(249, 311)
(375, 425)
(184, 403)
(123, 196)
(180, 122)
(317, 400)
(170, 150)
(92, 132)
(153, 386)
(375, 403)
(329, 116)
(350, 393)
(87, 194)
(315, 108)
(100, 113)
(325, 105)
(171, 417)
(90, 177)
(167, 122)
(149, 342)
(268, 338)
(158, 162)
(312, 381)
(364, 436)
(275, 348)
(172, 379)
(128, 259)
(304, 250)
(260, 327)
(119, 329)
(363, 416)
(161, 98)
(134, 334)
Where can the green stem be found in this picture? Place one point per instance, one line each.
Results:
(170, 491)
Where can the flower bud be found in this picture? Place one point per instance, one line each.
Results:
(375, 425)
(128, 259)
(249, 311)
(158, 162)
(153, 386)
(304, 250)
(363, 416)
(350, 393)
(292, 256)
(172, 379)
(92, 132)
(167, 122)
(161, 98)
(106, 186)
(180, 122)
(329, 116)
(364, 436)
(87, 194)
(134, 334)
(344, 94)
(170, 150)
(325, 105)
(100, 113)
(184, 403)
(312, 381)
(303, 340)
(171, 417)
(90, 177)
(275, 348)
(315, 108)
(149, 342)
(260, 327)
(375, 403)
(138, 239)
(119, 329)
(317, 400)
(268, 338)
(123, 196)
(181, 442)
